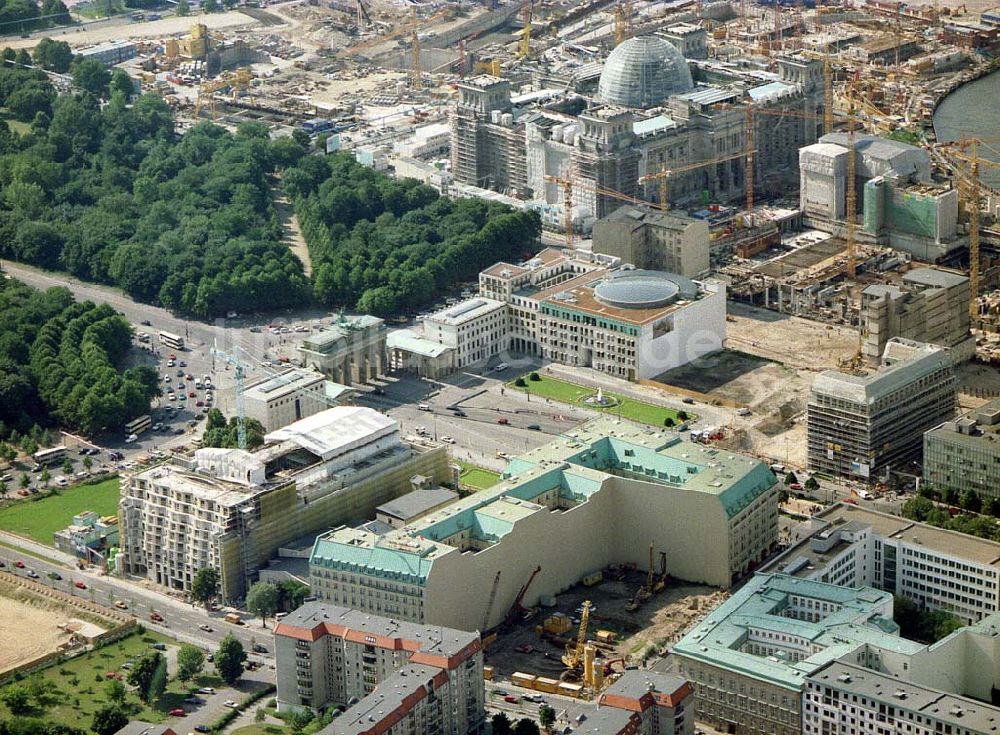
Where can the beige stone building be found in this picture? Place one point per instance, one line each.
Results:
(654, 240)
(231, 509)
(601, 494)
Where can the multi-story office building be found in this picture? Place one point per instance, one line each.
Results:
(655, 240)
(937, 569)
(647, 117)
(476, 329)
(929, 305)
(964, 454)
(643, 703)
(350, 351)
(858, 424)
(393, 677)
(620, 486)
(846, 698)
(571, 309)
(282, 399)
(230, 509)
(749, 658)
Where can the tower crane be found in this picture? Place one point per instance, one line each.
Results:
(568, 185)
(574, 651)
(663, 176)
(524, 49)
(416, 78)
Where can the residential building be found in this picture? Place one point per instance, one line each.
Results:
(643, 703)
(964, 454)
(654, 240)
(110, 53)
(279, 400)
(748, 659)
(937, 569)
(860, 424)
(476, 329)
(231, 509)
(89, 536)
(352, 350)
(929, 305)
(620, 486)
(392, 677)
(843, 697)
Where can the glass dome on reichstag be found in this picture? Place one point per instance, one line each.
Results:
(642, 72)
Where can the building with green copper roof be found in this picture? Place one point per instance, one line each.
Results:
(599, 495)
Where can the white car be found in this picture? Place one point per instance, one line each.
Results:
(131, 438)
(206, 690)
(501, 367)
(447, 440)
(231, 703)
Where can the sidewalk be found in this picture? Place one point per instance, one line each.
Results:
(47, 552)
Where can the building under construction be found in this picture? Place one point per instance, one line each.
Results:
(648, 122)
(860, 424)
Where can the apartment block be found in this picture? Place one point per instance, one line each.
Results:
(231, 509)
(476, 329)
(654, 240)
(392, 677)
(964, 454)
(937, 569)
(620, 486)
(643, 703)
(929, 305)
(858, 424)
(285, 398)
(846, 698)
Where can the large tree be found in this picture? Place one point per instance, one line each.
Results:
(53, 55)
(143, 671)
(262, 600)
(109, 719)
(189, 662)
(92, 76)
(205, 586)
(229, 659)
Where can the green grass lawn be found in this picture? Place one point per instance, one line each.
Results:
(39, 519)
(75, 693)
(628, 408)
(476, 477)
(260, 730)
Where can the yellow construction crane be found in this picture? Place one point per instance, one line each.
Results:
(623, 20)
(663, 176)
(524, 49)
(574, 652)
(568, 185)
(852, 200)
(488, 66)
(827, 94)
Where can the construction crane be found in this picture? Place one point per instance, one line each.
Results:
(574, 651)
(416, 78)
(827, 94)
(663, 175)
(852, 200)
(364, 19)
(517, 608)
(750, 158)
(568, 185)
(524, 49)
(489, 603)
(622, 21)
(233, 358)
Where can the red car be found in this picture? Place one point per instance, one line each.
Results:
(171, 357)
(503, 421)
(192, 394)
(156, 617)
(177, 712)
(199, 404)
(19, 564)
(79, 585)
(511, 698)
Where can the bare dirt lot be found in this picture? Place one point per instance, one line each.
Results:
(644, 632)
(790, 340)
(29, 628)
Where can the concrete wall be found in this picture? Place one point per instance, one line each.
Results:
(697, 329)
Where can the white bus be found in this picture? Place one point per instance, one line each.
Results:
(138, 425)
(49, 456)
(172, 340)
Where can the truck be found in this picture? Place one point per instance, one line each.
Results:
(234, 619)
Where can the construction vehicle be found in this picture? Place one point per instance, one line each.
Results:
(517, 610)
(573, 658)
(489, 602)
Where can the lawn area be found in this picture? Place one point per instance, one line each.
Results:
(476, 477)
(39, 519)
(628, 408)
(260, 730)
(75, 692)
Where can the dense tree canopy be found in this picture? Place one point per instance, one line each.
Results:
(383, 245)
(60, 360)
(112, 194)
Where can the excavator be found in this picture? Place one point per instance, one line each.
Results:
(653, 583)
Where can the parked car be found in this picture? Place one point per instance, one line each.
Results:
(32, 574)
(230, 703)
(177, 712)
(258, 648)
(447, 440)
(19, 564)
(501, 367)
(55, 576)
(160, 646)
(121, 605)
(206, 690)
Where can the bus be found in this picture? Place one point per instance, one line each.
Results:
(49, 456)
(138, 425)
(172, 340)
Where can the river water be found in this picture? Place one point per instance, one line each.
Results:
(974, 110)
